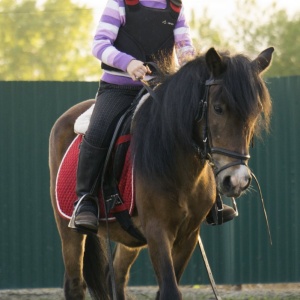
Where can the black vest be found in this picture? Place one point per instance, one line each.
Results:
(148, 32)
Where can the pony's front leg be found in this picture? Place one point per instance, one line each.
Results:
(160, 244)
(124, 257)
(160, 216)
(73, 253)
(182, 252)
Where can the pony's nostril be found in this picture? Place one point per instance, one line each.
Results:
(227, 182)
(248, 182)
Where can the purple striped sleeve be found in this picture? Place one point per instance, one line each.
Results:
(183, 42)
(106, 33)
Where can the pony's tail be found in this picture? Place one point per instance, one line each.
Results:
(95, 266)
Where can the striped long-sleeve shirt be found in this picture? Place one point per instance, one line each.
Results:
(112, 19)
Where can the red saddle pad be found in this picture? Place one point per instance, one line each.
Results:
(66, 184)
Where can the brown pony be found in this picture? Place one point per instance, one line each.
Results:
(189, 142)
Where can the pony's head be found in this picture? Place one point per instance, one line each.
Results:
(213, 104)
(237, 104)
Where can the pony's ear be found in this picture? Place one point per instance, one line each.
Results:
(214, 62)
(263, 60)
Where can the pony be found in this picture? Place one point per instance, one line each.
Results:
(190, 142)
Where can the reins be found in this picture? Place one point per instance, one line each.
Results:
(111, 200)
(263, 207)
(205, 153)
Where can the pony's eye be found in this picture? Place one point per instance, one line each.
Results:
(218, 109)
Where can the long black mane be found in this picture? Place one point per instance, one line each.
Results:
(163, 127)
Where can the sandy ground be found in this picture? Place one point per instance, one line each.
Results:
(269, 291)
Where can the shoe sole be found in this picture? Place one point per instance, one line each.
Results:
(86, 228)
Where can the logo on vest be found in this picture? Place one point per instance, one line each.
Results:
(165, 22)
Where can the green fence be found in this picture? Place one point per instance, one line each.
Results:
(239, 252)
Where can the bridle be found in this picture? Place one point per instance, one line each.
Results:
(206, 150)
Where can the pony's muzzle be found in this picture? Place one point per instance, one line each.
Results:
(233, 181)
(230, 182)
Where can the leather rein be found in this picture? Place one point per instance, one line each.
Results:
(206, 151)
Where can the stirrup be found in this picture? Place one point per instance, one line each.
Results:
(216, 215)
(72, 224)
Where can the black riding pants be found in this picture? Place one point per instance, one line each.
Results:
(112, 101)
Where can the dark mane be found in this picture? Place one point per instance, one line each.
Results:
(163, 128)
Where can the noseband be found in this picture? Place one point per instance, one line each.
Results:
(208, 149)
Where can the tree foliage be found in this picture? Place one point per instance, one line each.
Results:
(52, 40)
(252, 30)
(205, 34)
(47, 42)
